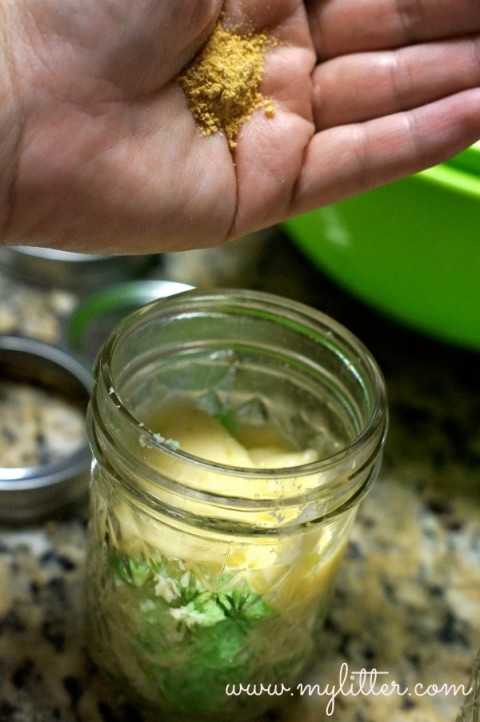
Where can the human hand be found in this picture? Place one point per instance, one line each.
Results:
(101, 152)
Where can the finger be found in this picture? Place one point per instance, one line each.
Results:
(342, 26)
(358, 87)
(340, 162)
(255, 15)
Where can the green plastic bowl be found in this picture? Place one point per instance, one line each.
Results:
(411, 249)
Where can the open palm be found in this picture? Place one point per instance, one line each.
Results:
(106, 156)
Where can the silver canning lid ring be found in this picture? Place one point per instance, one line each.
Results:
(79, 272)
(32, 493)
(98, 314)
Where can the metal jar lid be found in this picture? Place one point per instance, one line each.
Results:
(80, 272)
(99, 313)
(29, 494)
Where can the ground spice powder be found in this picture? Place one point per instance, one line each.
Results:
(222, 83)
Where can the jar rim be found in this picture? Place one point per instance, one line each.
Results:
(291, 312)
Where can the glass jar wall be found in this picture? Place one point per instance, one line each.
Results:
(234, 434)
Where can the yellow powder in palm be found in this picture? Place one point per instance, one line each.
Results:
(222, 83)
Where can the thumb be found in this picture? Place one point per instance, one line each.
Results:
(157, 40)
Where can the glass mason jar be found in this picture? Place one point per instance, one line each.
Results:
(470, 711)
(234, 434)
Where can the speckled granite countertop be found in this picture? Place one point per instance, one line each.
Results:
(407, 604)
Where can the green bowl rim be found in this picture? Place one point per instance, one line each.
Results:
(451, 177)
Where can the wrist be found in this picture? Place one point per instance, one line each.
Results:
(10, 115)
